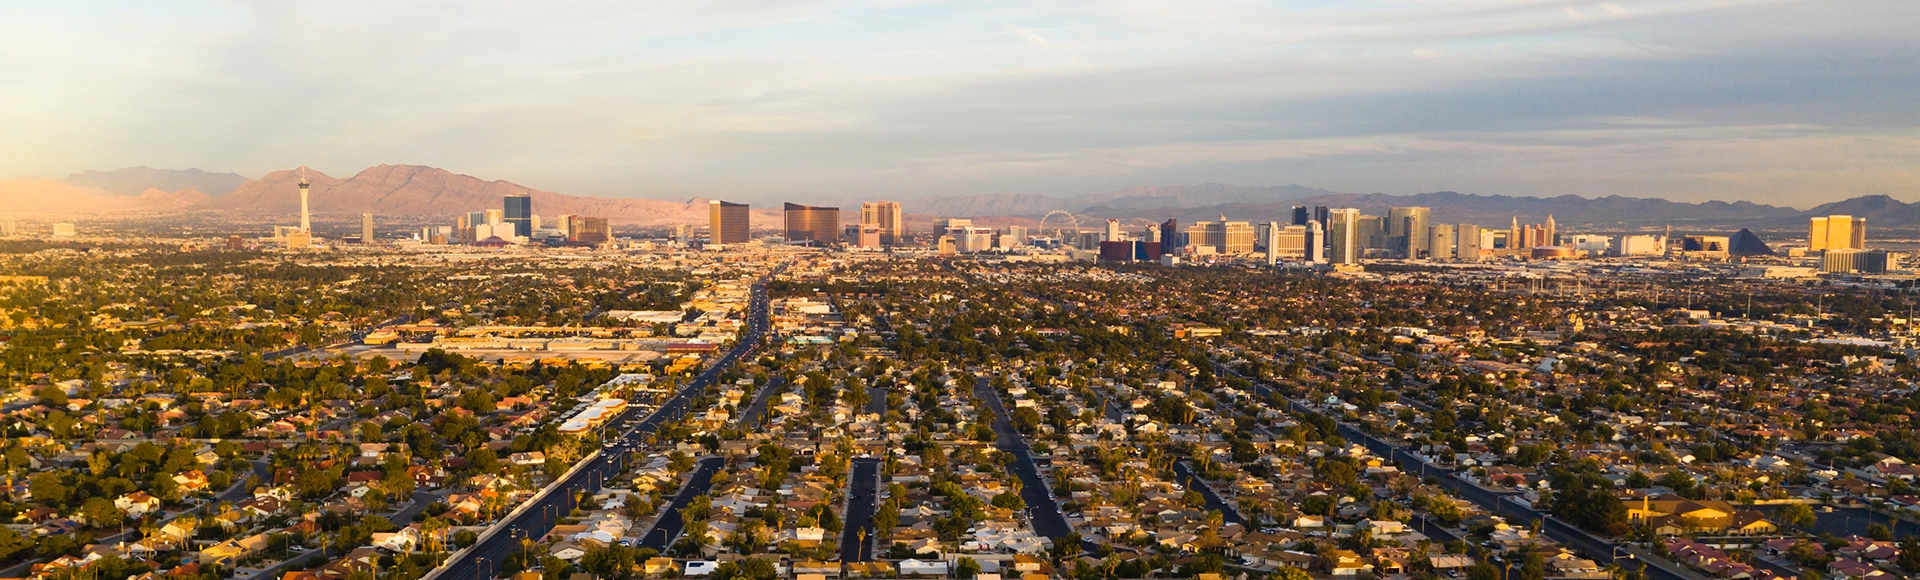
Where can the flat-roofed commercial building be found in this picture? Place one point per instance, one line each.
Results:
(807, 223)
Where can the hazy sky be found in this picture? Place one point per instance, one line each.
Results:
(1774, 101)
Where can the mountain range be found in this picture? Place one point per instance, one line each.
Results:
(132, 181)
(416, 190)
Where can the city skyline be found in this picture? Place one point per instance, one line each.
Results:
(1771, 102)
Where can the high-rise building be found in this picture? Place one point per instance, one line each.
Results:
(1344, 232)
(728, 222)
(1288, 242)
(969, 239)
(1408, 227)
(1301, 215)
(1016, 236)
(863, 235)
(886, 214)
(1467, 243)
(65, 230)
(1837, 232)
(943, 225)
(8, 227)
(1113, 231)
(519, 213)
(306, 225)
(1637, 245)
(1440, 242)
(1845, 260)
(807, 223)
(1223, 236)
(1171, 238)
(1314, 243)
(496, 217)
(589, 230)
(366, 228)
(683, 233)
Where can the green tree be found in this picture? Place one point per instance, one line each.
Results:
(48, 489)
(12, 543)
(1798, 515)
(1909, 558)
(1289, 573)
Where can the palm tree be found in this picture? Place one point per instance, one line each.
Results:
(429, 532)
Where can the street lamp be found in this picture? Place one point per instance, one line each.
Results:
(476, 568)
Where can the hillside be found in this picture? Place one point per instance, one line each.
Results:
(46, 196)
(426, 191)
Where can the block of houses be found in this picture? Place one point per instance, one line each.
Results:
(137, 504)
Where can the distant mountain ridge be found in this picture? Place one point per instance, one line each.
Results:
(133, 181)
(420, 190)
(1878, 209)
(1137, 197)
(428, 191)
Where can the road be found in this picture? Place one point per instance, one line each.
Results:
(756, 412)
(1228, 513)
(1042, 510)
(1599, 549)
(671, 522)
(877, 402)
(538, 515)
(262, 468)
(863, 498)
(352, 338)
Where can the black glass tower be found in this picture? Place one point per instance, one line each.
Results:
(520, 215)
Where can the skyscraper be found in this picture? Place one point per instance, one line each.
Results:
(366, 228)
(1113, 231)
(863, 235)
(1837, 232)
(8, 226)
(1301, 216)
(1467, 244)
(1016, 236)
(519, 214)
(1171, 238)
(728, 222)
(885, 214)
(1315, 243)
(807, 223)
(1408, 225)
(1440, 242)
(1223, 236)
(1345, 233)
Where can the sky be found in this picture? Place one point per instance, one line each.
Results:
(1774, 101)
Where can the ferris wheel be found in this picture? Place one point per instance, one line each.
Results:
(1060, 230)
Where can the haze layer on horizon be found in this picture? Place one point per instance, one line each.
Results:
(1773, 101)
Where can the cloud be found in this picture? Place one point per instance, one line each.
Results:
(903, 98)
